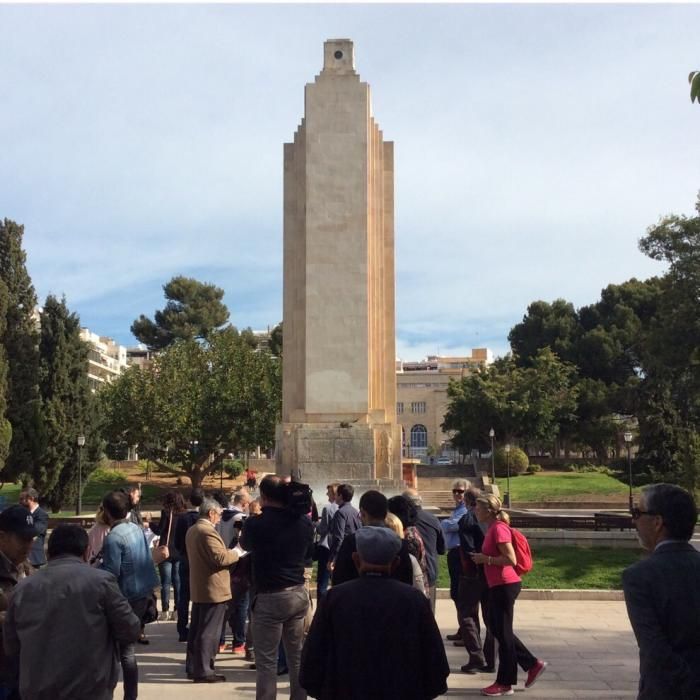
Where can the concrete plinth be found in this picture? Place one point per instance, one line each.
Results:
(321, 453)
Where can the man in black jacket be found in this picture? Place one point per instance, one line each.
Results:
(433, 540)
(472, 591)
(373, 510)
(183, 523)
(29, 498)
(662, 593)
(280, 542)
(374, 637)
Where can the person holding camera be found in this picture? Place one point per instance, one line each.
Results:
(280, 543)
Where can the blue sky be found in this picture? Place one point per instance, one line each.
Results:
(534, 145)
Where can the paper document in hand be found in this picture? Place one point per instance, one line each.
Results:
(240, 551)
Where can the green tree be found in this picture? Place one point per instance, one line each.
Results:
(194, 310)
(694, 80)
(20, 340)
(670, 418)
(68, 406)
(5, 427)
(554, 325)
(197, 403)
(527, 405)
(276, 340)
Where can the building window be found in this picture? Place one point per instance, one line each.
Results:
(417, 406)
(399, 408)
(419, 436)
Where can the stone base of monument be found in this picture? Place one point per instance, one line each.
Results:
(320, 453)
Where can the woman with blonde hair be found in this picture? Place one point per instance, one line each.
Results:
(393, 522)
(498, 557)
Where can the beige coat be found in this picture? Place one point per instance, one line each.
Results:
(209, 561)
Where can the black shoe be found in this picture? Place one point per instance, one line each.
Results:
(143, 640)
(453, 637)
(182, 639)
(458, 643)
(473, 668)
(251, 667)
(213, 678)
(488, 669)
(282, 671)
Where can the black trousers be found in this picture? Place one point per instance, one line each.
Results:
(203, 638)
(183, 599)
(511, 651)
(454, 568)
(471, 592)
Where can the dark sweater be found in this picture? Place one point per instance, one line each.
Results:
(281, 545)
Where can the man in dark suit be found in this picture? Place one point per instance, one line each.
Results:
(662, 593)
(29, 498)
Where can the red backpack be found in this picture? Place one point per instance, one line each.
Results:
(523, 555)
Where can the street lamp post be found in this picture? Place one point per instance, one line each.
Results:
(507, 448)
(79, 500)
(492, 434)
(628, 443)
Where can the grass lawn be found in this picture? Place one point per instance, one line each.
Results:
(570, 567)
(547, 486)
(567, 567)
(99, 484)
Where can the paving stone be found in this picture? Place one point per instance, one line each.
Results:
(588, 644)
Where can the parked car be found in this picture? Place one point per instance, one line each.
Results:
(444, 460)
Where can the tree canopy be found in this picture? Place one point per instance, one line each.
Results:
(194, 310)
(68, 407)
(196, 403)
(20, 341)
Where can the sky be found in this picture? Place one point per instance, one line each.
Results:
(534, 145)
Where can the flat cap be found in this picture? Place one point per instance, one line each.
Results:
(19, 521)
(377, 545)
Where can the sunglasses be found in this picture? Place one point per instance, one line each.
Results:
(457, 490)
(636, 513)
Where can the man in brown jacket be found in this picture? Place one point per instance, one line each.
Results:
(210, 591)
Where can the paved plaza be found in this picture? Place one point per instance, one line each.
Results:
(589, 645)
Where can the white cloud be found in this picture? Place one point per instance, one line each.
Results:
(534, 145)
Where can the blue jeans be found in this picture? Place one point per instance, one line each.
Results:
(127, 655)
(169, 574)
(238, 620)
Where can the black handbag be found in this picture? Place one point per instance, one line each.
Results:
(150, 614)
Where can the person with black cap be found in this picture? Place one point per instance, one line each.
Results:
(17, 533)
(374, 637)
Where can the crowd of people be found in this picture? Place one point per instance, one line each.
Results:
(245, 564)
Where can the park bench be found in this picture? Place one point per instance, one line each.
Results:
(553, 522)
(613, 521)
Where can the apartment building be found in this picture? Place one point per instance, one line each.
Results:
(106, 358)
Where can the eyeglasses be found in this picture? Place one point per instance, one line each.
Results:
(457, 490)
(636, 513)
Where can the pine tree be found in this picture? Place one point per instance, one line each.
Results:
(68, 405)
(19, 338)
(5, 427)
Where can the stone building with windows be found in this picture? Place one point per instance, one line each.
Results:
(106, 359)
(421, 399)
